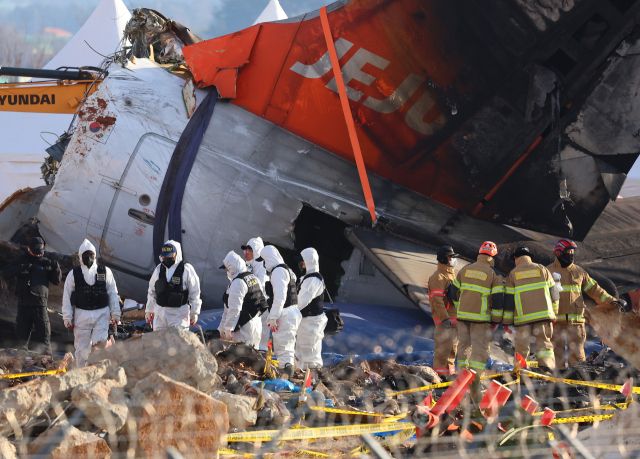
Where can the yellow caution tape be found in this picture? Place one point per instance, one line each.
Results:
(441, 385)
(359, 413)
(232, 452)
(397, 417)
(636, 390)
(24, 375)
(532, 364)
(307, 453)
(621, 406)
(391, 441)
(597, 417)
(316, 432)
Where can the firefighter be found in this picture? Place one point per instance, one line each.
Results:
(444, 316)
(531, 304)
(479, 290)
(570, 322)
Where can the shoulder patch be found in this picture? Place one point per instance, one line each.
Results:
(175, 280)
(531, 273)
(473, 274)
(101, 277)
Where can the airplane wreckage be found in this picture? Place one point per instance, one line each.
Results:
(450, 123)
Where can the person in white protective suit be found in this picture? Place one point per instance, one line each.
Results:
(311, 305)
(255, 265)
(173, 299)
(244, 302)
(89, 301)
(284, 317)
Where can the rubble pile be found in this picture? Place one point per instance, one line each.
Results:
(200, 395)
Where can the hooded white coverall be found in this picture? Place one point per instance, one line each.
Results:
(311, 330)
(249, 333)
(165, 317)
(288, 319)
(89, 327)
(257, 268)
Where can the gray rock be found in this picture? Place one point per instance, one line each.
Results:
(76, 444)
(240, 409)
(63, 384)
(175, 352)
(19, 404)
(103, 403)
(7, 450)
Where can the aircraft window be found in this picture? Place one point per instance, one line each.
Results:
(591, 31)
(142, 216)
(561, 62)
(622, 5)
(145, 200)
(367, 267)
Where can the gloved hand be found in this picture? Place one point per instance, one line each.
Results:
(494, 327)
(446, 323)
(226, 335)
(272, 324)
(194, 318)
(509, 329)
(148, 316)
(115, 320)
(622, 305)
(68, 324)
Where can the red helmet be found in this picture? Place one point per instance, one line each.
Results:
(489, 248)
(562, 245)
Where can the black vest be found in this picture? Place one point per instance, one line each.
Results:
(90, 297)
(254, 303)
(315, 306)
(292, 290)
(170, 294)
(35, 282)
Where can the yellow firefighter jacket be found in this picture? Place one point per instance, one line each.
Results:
(481, 292)
(528, 296)
(438, 286)
(574, 281)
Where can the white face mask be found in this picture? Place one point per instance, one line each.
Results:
(453, 262)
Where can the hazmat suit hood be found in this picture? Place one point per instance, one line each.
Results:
(272, 257)
(178, 247)
(234, 264)
(256, 245)
(311, 260)
(88, 273)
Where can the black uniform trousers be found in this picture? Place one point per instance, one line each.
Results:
(33, 317)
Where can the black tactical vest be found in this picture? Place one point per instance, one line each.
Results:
(171, 294)
(315, 306)
(90, 297)
(254, 303)
(35, 282)
(292, 290)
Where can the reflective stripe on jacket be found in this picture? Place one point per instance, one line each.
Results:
(481, 288)
(438, 286)
(574, 281)
(528, 297)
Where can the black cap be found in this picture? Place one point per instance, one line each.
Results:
(168, 250)
(36, 245)
(522, 251)
(246, 247)
(443, 254)
(223, 267)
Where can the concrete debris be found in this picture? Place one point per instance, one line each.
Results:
(242, 413)
(175, 414)
(620, 332)
(176, 353)
(103, 402)
(69, 442)
(19, 404)
(7, 450)
(614, 438)
(63, 384)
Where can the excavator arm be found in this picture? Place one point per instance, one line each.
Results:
(63, 94)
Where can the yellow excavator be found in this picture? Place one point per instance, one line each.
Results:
(63, 91)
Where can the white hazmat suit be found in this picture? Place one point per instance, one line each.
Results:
(250, 332)
(288, 319)
(311, 330)
(165, 317)
(89, 327)
(257, 268)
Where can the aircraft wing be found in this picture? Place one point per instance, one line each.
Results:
(508, 111)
